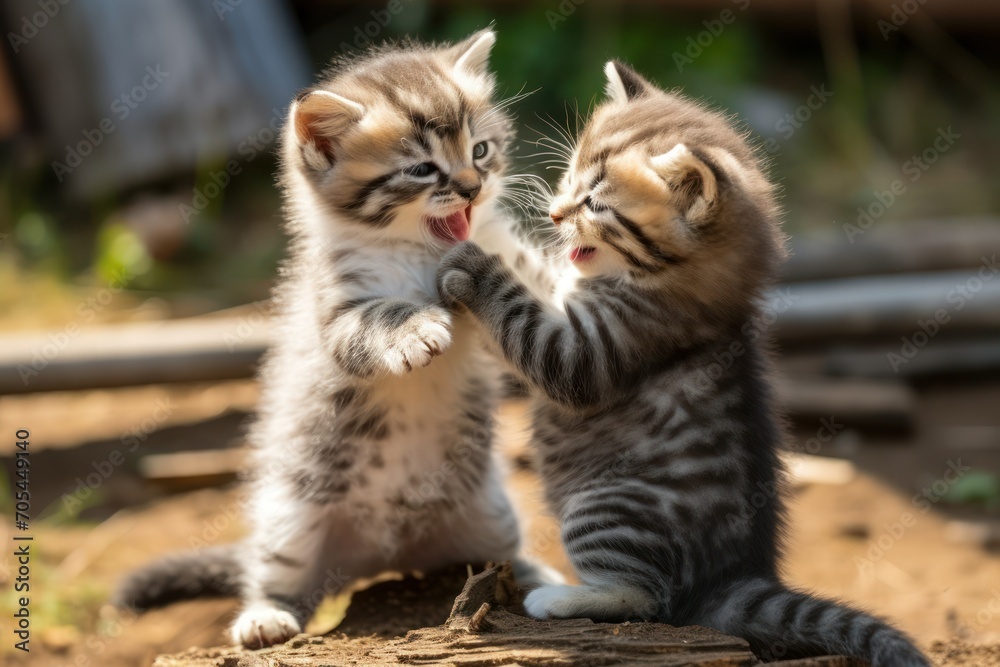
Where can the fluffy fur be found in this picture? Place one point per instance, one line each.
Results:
(372, 444)
(653, 415)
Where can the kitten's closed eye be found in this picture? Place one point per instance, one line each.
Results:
(422, 170)
(596, 207)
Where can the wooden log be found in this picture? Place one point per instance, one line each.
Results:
(195, 350)
(480, 631)
(938, 359)
(184, 471)
(916, 246)
(888, 306)
(864, 404)
(806, 470)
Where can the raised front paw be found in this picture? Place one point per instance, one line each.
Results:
(459, 270)
(424, 336)
(262, 625)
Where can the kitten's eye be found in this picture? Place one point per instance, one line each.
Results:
(480, 150)
(422, 169)
(594, 206)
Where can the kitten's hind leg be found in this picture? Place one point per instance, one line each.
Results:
(612, 603)
(618, 555)
(282, 585)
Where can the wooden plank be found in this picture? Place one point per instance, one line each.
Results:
(806, 470)
(937, 359)
(869, 404)
(184, 471)
(889, 306)
(195, 350)
(913, 247)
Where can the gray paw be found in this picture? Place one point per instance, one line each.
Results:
(458, 271)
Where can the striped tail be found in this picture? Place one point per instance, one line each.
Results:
(213, 572)
(781, 623)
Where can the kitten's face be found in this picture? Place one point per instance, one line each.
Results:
(617, 216)
(659, 188)
(406, 144)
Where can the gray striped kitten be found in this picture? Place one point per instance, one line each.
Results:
(653, 414)
(372, 444)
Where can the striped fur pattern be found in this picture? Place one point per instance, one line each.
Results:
(372, 444)
(653, 416)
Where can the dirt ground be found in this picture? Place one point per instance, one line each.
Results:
(863, 540)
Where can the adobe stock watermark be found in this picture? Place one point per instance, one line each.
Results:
(914, 169)
(416, 506)
(103, 470)
(562, 13)
(827, 431)
(31, 25)
(334, 582)
(981, 618)
(224, 7)
(781, 299)
(922, 502)
(97, 644)
(58, 341)
(120, 109)
(431, 488)
(247, 324)
(381, 18)
(927, 329)
(766, 493)
(793, 121)
(212, 528)
(697, 44)
(901, 13)
(219, 180)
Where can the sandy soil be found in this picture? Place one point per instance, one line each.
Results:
(945, 593)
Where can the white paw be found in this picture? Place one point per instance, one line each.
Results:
(532, 574)
(428, 337)
(262, 625)
(608, 604)
(550, 602)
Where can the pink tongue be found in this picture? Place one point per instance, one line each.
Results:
(453, 228)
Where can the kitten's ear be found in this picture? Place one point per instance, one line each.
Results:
(692, 182)
(623, 83)
(319, 118)
(472, 54)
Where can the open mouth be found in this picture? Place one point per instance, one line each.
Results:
(454, 228)
(582, 254)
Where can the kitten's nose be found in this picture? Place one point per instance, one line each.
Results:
(469, 192)
(466, 184)
(556, 217)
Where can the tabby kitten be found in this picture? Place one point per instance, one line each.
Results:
(372, 444)
(665, 476)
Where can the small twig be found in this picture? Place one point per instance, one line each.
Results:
(478, 622)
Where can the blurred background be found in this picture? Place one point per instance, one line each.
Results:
(140, 233)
